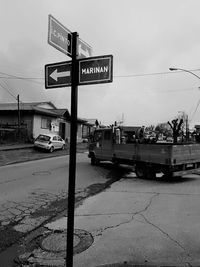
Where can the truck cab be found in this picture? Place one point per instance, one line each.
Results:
(101, 145)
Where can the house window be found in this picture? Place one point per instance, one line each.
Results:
(46, 123)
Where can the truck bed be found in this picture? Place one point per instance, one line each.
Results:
(166, 154)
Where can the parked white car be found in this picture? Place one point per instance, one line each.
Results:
(49, 142)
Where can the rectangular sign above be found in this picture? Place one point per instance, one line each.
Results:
(58, 75)
(96, 70)
(59, 36)
(84, 49)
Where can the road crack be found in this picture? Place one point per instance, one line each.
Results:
(167, 235)
(101, 230)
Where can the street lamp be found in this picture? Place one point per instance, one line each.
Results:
(172, 69)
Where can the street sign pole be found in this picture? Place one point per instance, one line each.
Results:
(72, 158)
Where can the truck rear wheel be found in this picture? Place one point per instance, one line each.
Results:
(94, 160)
(140, 171)
(168, 175)
(150, 173)
(143, 171)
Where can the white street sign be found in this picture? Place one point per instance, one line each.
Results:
(59, 36)
(58, 74)
(55, 74)
(84, 49)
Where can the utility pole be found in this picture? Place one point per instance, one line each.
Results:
(18, 116)
(72, 156)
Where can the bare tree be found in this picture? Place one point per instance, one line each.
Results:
(176, 127)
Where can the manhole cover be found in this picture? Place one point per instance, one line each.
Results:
(56, 242)
(51, 247)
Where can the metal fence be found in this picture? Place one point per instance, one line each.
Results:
(13, 134)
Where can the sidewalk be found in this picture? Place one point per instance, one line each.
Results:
(124, 226)
(15, 146)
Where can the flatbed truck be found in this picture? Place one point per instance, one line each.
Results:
(148, 159)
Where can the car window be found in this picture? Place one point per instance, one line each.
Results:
(59, 138)
(43, 137)
(55, 138)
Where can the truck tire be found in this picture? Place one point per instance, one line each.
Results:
(150, 173)
(94, 160)
(143, 171)
(51, 149)
(140, 171)
(168, 175)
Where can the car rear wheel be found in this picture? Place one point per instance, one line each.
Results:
(51, 149)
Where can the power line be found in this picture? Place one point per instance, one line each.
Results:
(150, 74)
(16, 98)
(8, 91)
(198, 103)
(35, 79)
(30, 79)
(10, 76)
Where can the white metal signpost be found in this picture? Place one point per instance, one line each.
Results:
(73, 73)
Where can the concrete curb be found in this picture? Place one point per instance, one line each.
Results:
(15, 147)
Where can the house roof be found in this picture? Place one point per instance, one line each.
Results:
(36, 107)
(31, 106)
(24, 106)
(91, 122)
(62, 112)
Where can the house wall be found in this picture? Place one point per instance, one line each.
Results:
(67, 131)
(79, 132)
(38, 129)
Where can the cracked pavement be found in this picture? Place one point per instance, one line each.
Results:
(136, 222)
(143, 222)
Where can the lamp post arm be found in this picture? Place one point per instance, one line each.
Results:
(185, 71)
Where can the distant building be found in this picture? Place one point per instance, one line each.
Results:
(89, 127)
(34, 118)
(197, 128)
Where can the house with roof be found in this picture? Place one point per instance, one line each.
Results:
(34, 118)
(88, 127)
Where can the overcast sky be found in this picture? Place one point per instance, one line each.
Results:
(145, 37)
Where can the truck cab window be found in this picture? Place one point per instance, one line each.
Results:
(97, 136)
(107, 135)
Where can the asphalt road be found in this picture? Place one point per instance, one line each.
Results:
(34, 191)
(135, 220)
